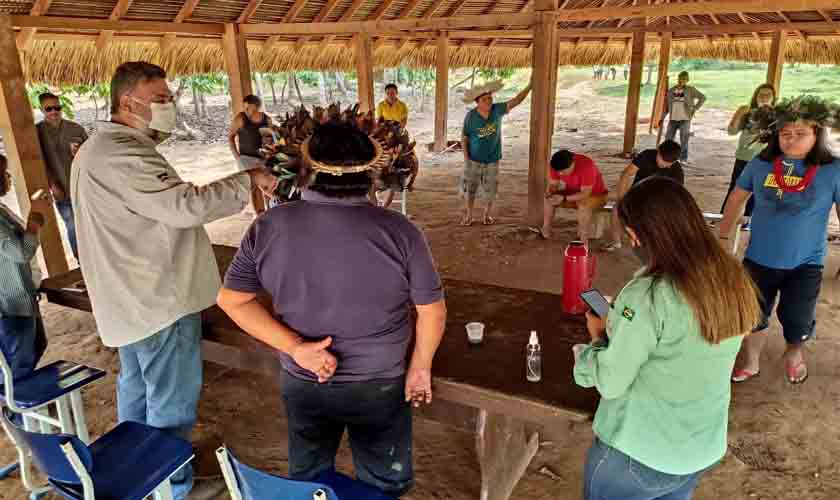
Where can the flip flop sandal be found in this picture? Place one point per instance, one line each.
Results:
(466, 223)
(489, 221)
(538, 231)
(795, 375)
(740, 375)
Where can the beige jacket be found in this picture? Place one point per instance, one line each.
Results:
(145, 256)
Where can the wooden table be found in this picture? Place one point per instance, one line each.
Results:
(489, 377)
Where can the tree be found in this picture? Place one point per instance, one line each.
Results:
(273, 79)
(201, 85)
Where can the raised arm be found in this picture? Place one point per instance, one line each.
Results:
(625, 182)
(516, 101)
(737, 121)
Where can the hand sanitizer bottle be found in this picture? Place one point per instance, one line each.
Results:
(533, 359)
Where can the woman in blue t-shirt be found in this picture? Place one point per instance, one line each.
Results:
(795, 182)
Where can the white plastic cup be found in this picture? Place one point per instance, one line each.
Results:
(475, 332)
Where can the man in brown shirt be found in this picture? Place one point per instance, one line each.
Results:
(60, 139)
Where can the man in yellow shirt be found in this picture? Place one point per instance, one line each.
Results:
(392, 108)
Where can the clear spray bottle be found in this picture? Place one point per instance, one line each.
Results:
(533, 359)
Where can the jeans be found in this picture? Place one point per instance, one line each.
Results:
(684, 126)
(65, 209)
(797, 289)
(378, 421)
(22, 342)
(611, 475)
(160, 382)
(736, 172)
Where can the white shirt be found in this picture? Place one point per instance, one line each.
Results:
(145, 256)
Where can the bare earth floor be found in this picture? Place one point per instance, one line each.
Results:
(782, 442)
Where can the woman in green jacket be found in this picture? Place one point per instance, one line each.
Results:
(662, 358)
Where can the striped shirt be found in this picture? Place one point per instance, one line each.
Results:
(17, 249)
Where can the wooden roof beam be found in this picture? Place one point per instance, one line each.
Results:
(521, 10)
(288, 18)
(26, 35)
(249, 11)
(119, 11)
(788, 22)
(346, 16)
(79, 24)
(829, 20)
(375, 16)
(405, 13)
(185, 13)
(325, 11)
(743, 18)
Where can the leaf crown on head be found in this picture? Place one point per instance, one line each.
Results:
(765, 121)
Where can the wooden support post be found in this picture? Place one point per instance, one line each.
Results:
(364, 70)
(239, 74)
(777, 60)
(26, 164)
(504, 451)
(543, 94)
(442, 93)
(662, 80)
(238, 66)
(631, 117)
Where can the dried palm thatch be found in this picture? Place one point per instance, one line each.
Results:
(71, 62)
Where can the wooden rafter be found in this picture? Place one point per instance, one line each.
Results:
(744, 19)
(521, 10)
(288, 18)
(829, 20)
(26, 35)
(185, 13)
(428, 15)
(377, 15)
(118, 12)
(788, 22)
(249, 11)
(325, 11)
(405, 13)
(345, 17)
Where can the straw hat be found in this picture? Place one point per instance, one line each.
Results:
(488, 88)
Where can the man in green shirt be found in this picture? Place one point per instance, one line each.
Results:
(481, 141)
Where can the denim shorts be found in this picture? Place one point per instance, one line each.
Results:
(480, 175)
(797, 290)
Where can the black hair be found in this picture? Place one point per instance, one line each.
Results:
(820, 154)
(763, 86)
(669, 151)
(683, 73)
(561, 160)
(45, 96)
(128, 75)
(252, 99)
(341, 144)
(391, 86)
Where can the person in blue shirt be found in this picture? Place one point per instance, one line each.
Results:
(481, 141)
(795, 182)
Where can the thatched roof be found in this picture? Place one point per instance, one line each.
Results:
(71, 55)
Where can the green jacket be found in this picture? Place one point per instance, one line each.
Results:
(664, 390)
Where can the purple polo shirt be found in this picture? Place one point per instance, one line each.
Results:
(340, 268)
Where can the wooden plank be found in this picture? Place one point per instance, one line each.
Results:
(119, 11)
(26, 164)
(544, 80)
(662, 80)
(73, 23)
(26, 35)
(504, 450)
(825, 15)
(364, 70)
(777, 60)
(322, 14)
(184, 13)
(237, 65)
(631, 116)
(441, 93)
(249, 11)
(346, 17)
(289, 17)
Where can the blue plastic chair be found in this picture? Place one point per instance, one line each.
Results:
(57, 385)
(247, 483)
(130, 462)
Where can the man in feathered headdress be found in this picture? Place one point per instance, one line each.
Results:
(343, 276)
(482, 144)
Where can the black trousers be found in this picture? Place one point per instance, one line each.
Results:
(736, 172)
(376, 417)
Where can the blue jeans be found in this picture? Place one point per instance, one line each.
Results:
(160, 382)
(612, 475)
(65, 209)
(684, 126)
(22, 342)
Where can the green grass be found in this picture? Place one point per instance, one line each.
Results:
(730, 88)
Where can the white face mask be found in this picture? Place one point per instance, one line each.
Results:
(163, 116)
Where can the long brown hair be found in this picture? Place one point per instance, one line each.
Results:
(754, 100)
(685, 253)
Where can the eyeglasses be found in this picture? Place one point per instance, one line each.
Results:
(50, 109)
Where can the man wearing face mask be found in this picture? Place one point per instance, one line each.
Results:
(145, 256)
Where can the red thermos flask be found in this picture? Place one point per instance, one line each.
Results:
(578, 273)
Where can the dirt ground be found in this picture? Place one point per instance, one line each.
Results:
(782, 440)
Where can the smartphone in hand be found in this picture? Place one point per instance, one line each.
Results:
(596, 302)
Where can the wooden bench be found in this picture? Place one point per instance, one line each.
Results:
(489, 378)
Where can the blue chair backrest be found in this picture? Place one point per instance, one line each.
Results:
(258, 485)
(47, 453)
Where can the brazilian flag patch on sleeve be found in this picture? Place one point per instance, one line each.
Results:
(628, 314)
